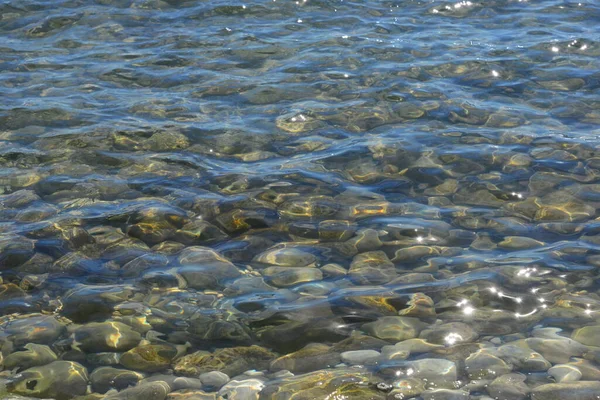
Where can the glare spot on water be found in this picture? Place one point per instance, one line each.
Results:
(555, 49)
(452, 338)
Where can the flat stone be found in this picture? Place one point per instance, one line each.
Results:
(59, 379)
(146, 391)
(509, 387)
(106, 336)
(588, 335)
(231, 361)
(311, 357)
(34, 355)
(449, 334)
(360, 357)
(445, 394)
(563, 373)
(394, 328)
(582, 390)
(246, 389)
(214, 380)
(557, 351)
(523, 358)
(484, 365)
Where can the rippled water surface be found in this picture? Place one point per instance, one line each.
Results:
(314, 199)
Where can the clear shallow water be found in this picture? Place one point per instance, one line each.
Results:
(320, 199)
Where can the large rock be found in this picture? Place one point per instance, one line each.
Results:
(60, 380)
(97, 337)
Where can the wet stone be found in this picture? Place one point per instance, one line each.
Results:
(406, 388)
(287, 257)
(484, 365)
(213, 380)
(289, 276)
(563, 373)
(557, 350)
(147, 391)
(438, 371)
(149, 358)
(588, 335)
(449, 334)
(105, 336)
(582, 390)
(360, 357)
(203, 268)
(190, 394)
(312, 357)
(34, 355)
(231, 361)
(34, 328)
(104, 379)
(167, 141)
(244, 389)
(445, 394)
(60, 380)
(394, 328)
(509, 387)
(373, 267)
(523, 358)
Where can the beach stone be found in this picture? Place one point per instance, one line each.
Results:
(106, 336)
(213, 380)
(104, 379)
(360, 357)
(191, 394)
(484, 365)
(588, 335)
(582, 390)
(371, 268)
(167, 141)
(103, 359)
(175, 382)
(366, 240)
(445, 394)
(145, 391)
(565, 373)
(359, 341)
(32, 328)
(231, 361)
(290, 276)
(420, 306)
(394, 328)
(523, 358)
(59, 380)
(287, 257)
(149, 358)
(589, 370)
(557, 351)
(311, 357)
(205, 269)
(432, 369)
(519, 243)
(34, 355)
(246, 389)
(449, 334)
(343, 383)
(509, 387)
(402, 350)
(407, 388)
